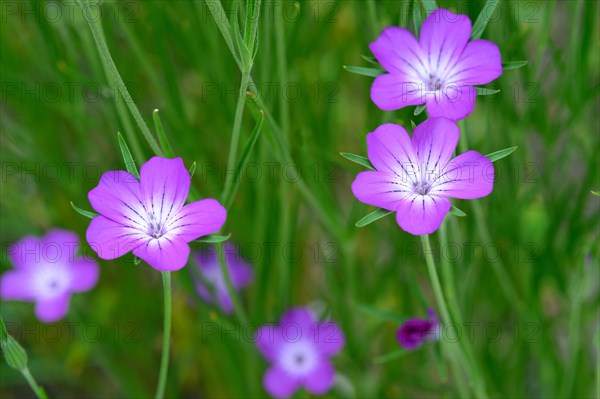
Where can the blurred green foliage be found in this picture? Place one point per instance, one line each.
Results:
(59, 120)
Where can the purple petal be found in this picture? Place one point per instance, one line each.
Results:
(16, 285)
(85, 274)
(63, 238)
(241, 273)
(321, 379)
(164, 186)
(269, 341)
(390, 149)
(280, 384)
(470, 175)
(443, 38)
(167, 253)
(52, 309)
(117, 197)
(331, 338)
(479, 64)
(396, 90)
(197, 219)
(26, 252)
(414, 332)
(225, 301)
(435, 141)
(454, 101)
(422, 214)
(398, 51)
(382, 189)
(112, 240)
(298, 323)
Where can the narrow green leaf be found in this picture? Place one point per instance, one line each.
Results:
(507, 66)
(419, 109)
(370, 59)
(494, 156)
(484, 17)
(80, 211)
(390, 356)
(382, 314)
(457, 212)
(244, 51)
(220, 16)
(14, 354)
(129, 162)
(192, 169)
(162, 137)
(483, 91)
(213, 239)
(372, 72)
(363, 161)
(596, 193)
(417, 17)
(371, 217)
(413, 124)
(228, 197)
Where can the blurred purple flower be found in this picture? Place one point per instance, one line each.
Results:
(416, 178)
(438, 70)
(149, 216)
(299, 349)
(208, 264)
(47, 271)
(414, 332)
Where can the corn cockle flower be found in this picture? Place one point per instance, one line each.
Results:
(149, 216)
(208, 264)
(416, 177)
(47, 271)
(439, 69)
(299, 349)
(414, 332)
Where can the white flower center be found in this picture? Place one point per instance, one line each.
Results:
(298, 358)
(434, 83)
(155, 228)
(421, 187)
(51, 280)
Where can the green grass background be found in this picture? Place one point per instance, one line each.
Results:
(59, 120)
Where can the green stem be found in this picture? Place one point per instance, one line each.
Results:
(235, 134)
(164, 362)
(94, 24)
(39, 392)
(237, 304)
(459, 355)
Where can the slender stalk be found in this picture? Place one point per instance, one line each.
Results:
(164, 362)
(235, 133)
(39, 392)
(459, 355)
(94, 24)
(237, 304)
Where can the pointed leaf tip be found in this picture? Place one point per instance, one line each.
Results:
(494, 156)
(371, 217)
(363, 161)
(87, 214)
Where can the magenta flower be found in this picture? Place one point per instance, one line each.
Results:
(149, 216)
(416, 178)
(438, 70)
(208, 264)
(414, 332)
(299, 349)
(47, 271)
